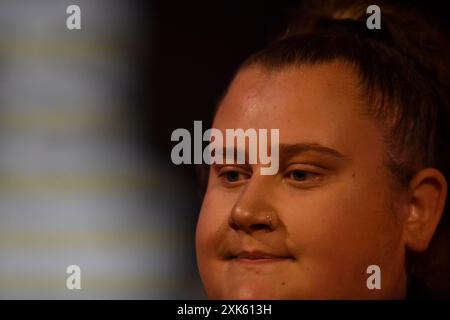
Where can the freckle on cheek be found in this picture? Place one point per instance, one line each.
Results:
(283, 283)
(353, 175)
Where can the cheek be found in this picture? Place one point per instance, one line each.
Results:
(211, 226)
(212, 221)
(341, 223)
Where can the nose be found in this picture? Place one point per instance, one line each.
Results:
(254, 211)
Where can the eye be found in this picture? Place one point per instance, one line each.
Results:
(232, 176)
(302, 175)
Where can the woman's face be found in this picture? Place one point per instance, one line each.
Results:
(311, 230)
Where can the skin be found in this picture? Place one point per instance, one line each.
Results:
(310, 231)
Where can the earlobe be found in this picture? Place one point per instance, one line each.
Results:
(428, 193)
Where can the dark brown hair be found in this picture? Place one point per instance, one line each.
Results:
(404, 70)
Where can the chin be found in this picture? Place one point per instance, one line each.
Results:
(246, 293)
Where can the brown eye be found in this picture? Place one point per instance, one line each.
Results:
(301, 175)
(230, 176)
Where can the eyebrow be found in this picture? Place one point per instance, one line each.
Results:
(289, 150)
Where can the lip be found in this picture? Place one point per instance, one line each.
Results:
(258, 257)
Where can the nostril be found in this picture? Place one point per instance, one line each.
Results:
(249, 228)
(259, 226)
(234, 226)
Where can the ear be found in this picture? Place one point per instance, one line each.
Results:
(426, 201)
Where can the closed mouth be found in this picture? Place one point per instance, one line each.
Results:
(256, 257)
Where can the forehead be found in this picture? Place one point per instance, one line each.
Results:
(310, 103)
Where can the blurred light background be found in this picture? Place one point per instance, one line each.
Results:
(85, 124)
(75, 186)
